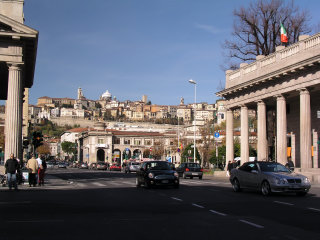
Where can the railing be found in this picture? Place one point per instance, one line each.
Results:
(281, 55)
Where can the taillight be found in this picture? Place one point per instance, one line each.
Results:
(201, 170)
(187, 170)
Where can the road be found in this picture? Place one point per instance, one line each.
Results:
(87, 204)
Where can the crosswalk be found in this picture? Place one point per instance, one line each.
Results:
(126, 183)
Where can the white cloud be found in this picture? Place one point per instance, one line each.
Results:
(208, 28)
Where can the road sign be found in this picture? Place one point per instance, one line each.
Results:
(216, 134)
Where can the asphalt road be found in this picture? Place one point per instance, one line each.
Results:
(85, 204)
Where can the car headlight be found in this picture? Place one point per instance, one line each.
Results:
(151, 175)
(306, 180)
(281, 181)
(176, 174)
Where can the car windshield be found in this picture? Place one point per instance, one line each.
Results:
(193, 165)
(159, 166)
(273, 167)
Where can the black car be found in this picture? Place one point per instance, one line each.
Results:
(157, 173)
(190, 170)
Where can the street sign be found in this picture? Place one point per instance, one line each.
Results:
(216, 134)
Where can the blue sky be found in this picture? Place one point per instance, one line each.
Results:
(133, 47)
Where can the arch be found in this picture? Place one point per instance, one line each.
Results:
(126, 154)
(137, 154)
(116, 157)
(100, 155)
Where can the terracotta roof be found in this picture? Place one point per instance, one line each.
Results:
(78, 130)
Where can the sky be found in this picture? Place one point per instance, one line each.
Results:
(133, 47)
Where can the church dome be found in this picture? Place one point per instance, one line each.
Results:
(106, 95)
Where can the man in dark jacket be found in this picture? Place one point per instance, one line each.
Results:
(12, 167)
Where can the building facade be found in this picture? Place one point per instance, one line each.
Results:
(284, 89)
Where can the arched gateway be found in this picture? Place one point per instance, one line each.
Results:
(100, 155)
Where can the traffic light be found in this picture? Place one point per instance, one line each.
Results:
(25, 143)
(37, 139)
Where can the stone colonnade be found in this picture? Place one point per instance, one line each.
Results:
(281, 134)
(13, 123)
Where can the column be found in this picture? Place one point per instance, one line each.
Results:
(13, 123)
(293, 148)
(229, 136)
(315, 148)
(262, 148)
(305, 129)
(244, 135)
(281, 130)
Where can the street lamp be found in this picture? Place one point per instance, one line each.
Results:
(194, 120)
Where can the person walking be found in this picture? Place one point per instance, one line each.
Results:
(12, 166)
(32, 165)
(41, 171)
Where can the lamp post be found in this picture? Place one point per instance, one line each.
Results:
(194, 120)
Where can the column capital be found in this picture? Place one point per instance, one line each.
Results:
(280, 97)
(303, 91)
(260, 102)
(15, 65)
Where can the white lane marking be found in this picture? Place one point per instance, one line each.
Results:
(219, 213)
(196, 205)
(284, 203)
(314, 209)
(98, 184)
(129, 183)
(252, 224)
(115, 183)
(81, 185)
(177, 199)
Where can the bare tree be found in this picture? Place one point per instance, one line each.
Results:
(256, 29)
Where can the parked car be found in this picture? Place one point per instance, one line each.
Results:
(157, 173)
(268, 177)
(115, 167)
(61, 165)
(83, 166)
(50, 164)
(102, 166)
(190, 169)
(93, 165)
(132, 167)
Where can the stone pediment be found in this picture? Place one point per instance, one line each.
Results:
(10, 27)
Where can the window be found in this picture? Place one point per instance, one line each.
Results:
(127, 141)
(116, 140)
(100, 141)
(137, 141)
(147, 141)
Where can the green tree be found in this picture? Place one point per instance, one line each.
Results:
(69, 147)
(188, 152)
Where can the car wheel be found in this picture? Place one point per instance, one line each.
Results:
(138, 184)
(265, 188)
(177, 185)
(236, 185)
(200, 177)
(191, 177)
(184, 176)
(301, 194)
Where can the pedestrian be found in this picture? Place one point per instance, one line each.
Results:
(290, 165)
(229, 167)
(32, 166)
(12, 166)
(41, 171)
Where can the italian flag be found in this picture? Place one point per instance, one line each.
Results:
(284, 37)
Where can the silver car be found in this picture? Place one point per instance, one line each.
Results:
(132, 167)
(268, 177)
